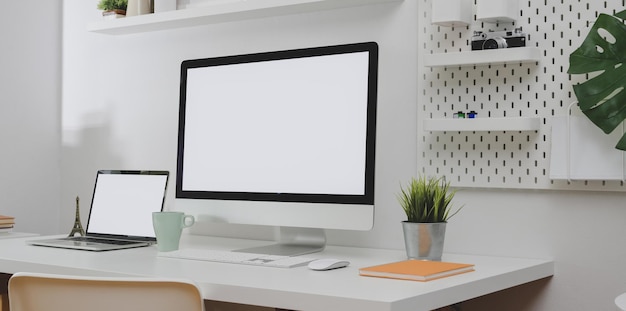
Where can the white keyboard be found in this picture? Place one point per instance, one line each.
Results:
(238, 258)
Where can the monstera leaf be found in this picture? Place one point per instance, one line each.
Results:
(603, 98)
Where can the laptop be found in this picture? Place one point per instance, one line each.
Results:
(120, 216)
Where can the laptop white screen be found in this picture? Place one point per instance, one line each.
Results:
(123, 204)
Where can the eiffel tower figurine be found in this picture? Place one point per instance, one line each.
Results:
(78, 228)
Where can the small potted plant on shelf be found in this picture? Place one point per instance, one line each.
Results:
(112, 9)
(427, 202)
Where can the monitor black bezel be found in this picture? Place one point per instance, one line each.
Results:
(367, 198)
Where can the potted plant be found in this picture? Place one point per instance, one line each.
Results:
(603, 53)
(427, 202)
(113, 8)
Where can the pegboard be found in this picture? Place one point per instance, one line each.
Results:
(503, 159)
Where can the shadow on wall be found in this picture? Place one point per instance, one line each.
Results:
(525, 297)
(85, 151)
(207, 225)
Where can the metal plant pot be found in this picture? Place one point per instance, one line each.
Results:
(424, 241)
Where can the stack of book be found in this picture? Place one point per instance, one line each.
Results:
(6, 223)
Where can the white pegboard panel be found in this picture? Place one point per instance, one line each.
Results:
(543, 89)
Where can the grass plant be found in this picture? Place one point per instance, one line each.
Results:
(427, 200)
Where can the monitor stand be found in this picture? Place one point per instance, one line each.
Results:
(292, 242)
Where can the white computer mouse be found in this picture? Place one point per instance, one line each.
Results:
(327, 264)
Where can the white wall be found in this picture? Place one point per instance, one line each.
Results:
(120, 96)
(30, 82)
(120, 106)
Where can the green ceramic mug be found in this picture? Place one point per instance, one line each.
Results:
(168, 226)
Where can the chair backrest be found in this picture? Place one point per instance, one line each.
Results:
(38, 292)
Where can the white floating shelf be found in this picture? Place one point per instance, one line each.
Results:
(484, 57)
(218, 13)
(482, 124)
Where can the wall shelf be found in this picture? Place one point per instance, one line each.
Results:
(485, 57)
(482, 124)
(218, 13)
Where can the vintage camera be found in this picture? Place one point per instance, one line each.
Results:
(498, 39)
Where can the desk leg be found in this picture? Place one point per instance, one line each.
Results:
(4, 298)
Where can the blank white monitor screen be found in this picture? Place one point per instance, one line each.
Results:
(284, 126)
(263, 127)
(123, 202)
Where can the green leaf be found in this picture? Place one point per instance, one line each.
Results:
(603, 52)
(427, 200)
(107, 5)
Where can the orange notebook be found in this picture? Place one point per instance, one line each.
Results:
(416, 270)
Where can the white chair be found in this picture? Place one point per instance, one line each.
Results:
(38, 292)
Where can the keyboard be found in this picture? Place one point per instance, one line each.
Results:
(238, 258)
(100, 240)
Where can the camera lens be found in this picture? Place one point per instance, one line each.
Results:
(494, 43)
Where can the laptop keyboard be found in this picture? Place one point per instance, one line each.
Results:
(100, 240)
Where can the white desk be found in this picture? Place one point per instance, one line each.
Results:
(14, 235)
(620, 302)
(295, 288)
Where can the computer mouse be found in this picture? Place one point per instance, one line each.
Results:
(327, 264)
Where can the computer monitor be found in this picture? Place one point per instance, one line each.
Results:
(282, 138)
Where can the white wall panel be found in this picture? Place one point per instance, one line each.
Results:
(503, 159)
